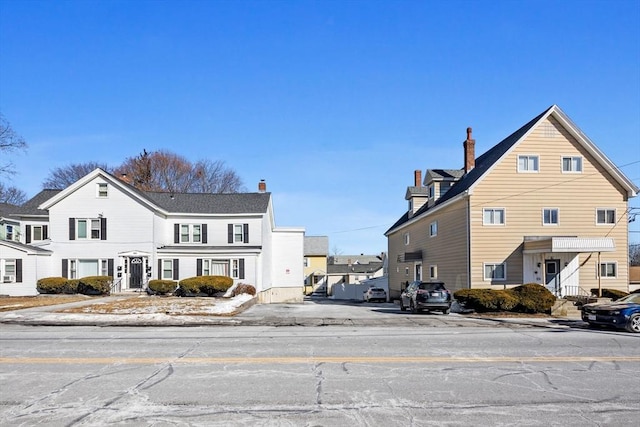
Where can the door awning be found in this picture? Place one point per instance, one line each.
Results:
(568, 244)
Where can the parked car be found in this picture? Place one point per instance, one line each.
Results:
(622, 314)
(375, 294)
(426, 296)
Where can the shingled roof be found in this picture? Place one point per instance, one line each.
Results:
(207, 203)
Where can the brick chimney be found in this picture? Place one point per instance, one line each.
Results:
(469, 152)
(417, 178)
(262, 186)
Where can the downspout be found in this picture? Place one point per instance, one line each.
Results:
(599, 277)
(468, 241)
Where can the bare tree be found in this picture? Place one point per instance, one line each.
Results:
(634, 254)
(9, 141)
(63, 177)
(12, 195)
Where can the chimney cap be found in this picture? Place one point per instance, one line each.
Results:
(469, 132)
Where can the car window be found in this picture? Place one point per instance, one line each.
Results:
(631, 298)
(427, 286)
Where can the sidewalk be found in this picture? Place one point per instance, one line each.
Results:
(309, 313)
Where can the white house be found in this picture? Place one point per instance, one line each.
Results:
(101, 225)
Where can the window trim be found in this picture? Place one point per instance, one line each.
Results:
(3, 269)
(433, 229)
(494, 264)
(433, 271)
(606, 276)
(495, 224)
(100, 193)
(551, 224)
(571, 158)
(528, 157)
(605, 210)
(406, 238)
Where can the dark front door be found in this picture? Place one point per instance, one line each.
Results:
(552, 275)
(135, 272)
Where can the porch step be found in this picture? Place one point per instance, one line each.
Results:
(565, 308)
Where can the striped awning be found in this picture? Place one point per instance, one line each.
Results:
(568, 244)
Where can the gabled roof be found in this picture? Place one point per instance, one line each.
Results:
(6, 209)
(171, 203)
(316, 245)
(486, 161)
(31, 206)
(442, 174)
(29, 249)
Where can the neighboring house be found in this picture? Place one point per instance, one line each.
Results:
(9, 225)
(347, 270)
(634, 278)
(545, 206)
(101, 225)
(316, 251)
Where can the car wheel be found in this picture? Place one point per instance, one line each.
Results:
(634, 323)
(402, 307)
(413, 307)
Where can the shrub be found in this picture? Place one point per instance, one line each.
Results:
(486, 299)
(614, 294)
(244, 289)
(162, 286)
(71, 287)
(533, 298)
(51, 285)
(207, 285)
(95, 285)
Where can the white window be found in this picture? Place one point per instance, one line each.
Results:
(103, 190)
(406, 271)
(528, 163)
(235, 268)
(608, 269)
(406, 238)
(550, 216)
(431, 189)
(9, 232)
(433, 229)
(190, 233)
(196, 233)
(36, 232)
(493, 216)
(8, 269)
(88, 227)
(73, 269)
(238, 233)
(167, 269)
(572, 164)
(495, 271)
(306, 262)
(433, 271)
(605, 216)
(104, 267)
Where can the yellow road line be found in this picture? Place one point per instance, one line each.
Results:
(306, 359)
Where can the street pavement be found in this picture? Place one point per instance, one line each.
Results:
(312, 312)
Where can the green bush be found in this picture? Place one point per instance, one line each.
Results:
(95, 285)
(533, 298)
(51, 285)
(244, 289)
(206, 285)
(71, 287)
(162, 286)
(614, 294)
(483, 300)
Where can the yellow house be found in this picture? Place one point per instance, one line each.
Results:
(544, 205)
(316, 251)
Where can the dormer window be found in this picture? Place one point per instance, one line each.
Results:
(431, 191)
(103, 190)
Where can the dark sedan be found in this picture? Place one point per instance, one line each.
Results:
(622, 314)
(426, 296)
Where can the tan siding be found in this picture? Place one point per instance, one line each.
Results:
(524, 195)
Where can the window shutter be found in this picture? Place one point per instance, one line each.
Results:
(241, 268)
(65, 268)
(245, 229)
(159, 269)
(19, 270)
(45, 232)
(199, 267)
(176, 233)
(110, 267)
(72, 229)
(27, 232)
(230, 233)
(103, 228)
(176, 264)
(204, 234)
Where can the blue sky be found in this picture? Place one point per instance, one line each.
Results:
(333, 103)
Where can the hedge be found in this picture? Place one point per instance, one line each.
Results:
(204, 285)
(529, 298)
(614, 294)
(51, 285)
(95, 285)
(90, 285)
(163, 286)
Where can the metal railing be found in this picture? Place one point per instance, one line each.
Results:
(116, 286)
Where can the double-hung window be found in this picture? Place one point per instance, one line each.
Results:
(550, 216)
(8, 270)
(9, 232)
(102, 190)
(190, 233)
(528, 163)
(493, 216)
(167, 269)
(88, 228)
(605, 216)
(572, 164)
(433, 229)
(495, 271)
(608, 269)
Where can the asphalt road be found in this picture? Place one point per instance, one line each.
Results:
(407, 375)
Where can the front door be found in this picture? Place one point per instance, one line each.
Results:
(419, 272)
(135, 272)
(552, 275)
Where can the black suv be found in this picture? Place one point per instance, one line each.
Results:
(426, 296)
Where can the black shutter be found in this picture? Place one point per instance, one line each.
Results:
(204, 234)
(230, 233)
(27, 234)
(176, 273)
(103, 228)
(72, 229)
(19, 270)
(176, 233)
(110, 267)
(241, 268)
(199, 267)
(245, 229)
(159, 269)
(45, 232)
(65, 268)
